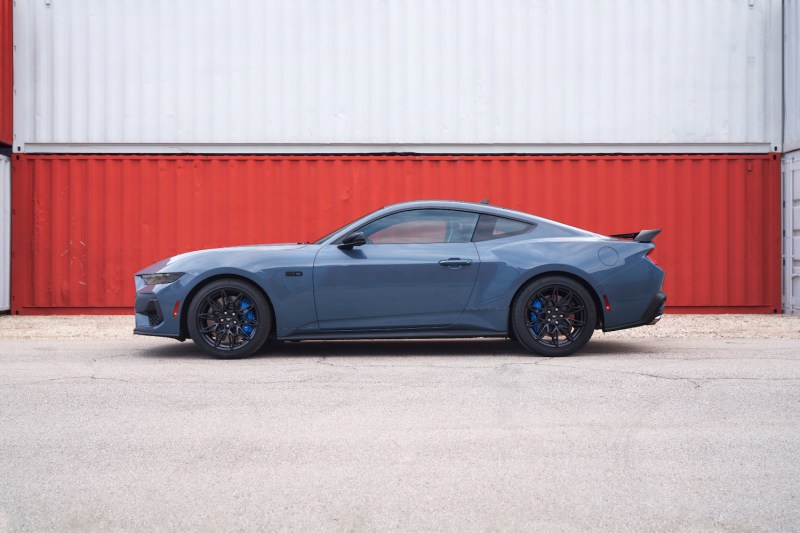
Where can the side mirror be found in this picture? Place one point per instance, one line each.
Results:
(354, 239)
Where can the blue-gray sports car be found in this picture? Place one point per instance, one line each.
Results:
(410, 270)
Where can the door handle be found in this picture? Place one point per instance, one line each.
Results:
(455, 262)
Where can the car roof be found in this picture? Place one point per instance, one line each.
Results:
(478, 207)
(460, 205)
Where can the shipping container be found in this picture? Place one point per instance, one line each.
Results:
(791, 232)
(5, 233)
(84, 224)
(6, 72)
(791, 75)
(430, 76)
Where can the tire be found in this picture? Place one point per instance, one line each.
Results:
(229, 319)
(553, 316)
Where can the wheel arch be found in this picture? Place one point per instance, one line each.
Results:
(184, 328)
(575, 277)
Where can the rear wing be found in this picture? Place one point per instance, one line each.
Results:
(646, 235)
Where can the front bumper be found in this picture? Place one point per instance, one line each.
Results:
(158, 310)
(149, 306)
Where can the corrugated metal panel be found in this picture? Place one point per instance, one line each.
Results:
(791, 227)
(6, 70)
(443, 76)
(85, 224)
(5, 233)
(791, 76)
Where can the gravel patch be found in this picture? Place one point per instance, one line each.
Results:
(717, 326)
(66, 327)
(671, 326)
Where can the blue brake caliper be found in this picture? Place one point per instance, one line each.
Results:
(535, 307)
(249, 316)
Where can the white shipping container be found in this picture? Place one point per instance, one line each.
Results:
(790, 166)
(791, 76)
(5, 233)
(454, 76)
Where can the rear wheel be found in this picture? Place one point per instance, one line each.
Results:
(229, 319)
(553, 316)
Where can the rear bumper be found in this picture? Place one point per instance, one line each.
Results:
(651, 315)
(656, 309)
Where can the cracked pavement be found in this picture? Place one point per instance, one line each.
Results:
(101, 430)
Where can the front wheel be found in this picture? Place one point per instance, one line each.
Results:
(229, 319)
(553, 316)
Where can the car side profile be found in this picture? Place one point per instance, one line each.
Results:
(417, 269)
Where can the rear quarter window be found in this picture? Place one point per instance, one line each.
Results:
(491, 227)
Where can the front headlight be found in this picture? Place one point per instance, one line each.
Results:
(162, 278)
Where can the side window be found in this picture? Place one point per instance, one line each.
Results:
(422, 226)
(492, 227)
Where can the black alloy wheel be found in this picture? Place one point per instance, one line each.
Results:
(229, 319)
(554, 316)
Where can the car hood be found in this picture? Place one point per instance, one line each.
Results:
(231, 256)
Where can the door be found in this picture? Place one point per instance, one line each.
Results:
(416, 270)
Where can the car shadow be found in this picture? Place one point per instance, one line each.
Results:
(401, 348)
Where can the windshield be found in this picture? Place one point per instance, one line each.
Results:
(331, 234)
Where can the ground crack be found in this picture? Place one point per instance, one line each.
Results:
(323, 360)
(696, 381)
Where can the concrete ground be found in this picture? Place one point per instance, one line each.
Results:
(690, 424)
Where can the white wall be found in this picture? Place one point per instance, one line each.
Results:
(791, 80)
(246, 76)
(791, 226)
(790, 164)
(5, 233)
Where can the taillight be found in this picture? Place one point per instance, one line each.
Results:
(650, 257)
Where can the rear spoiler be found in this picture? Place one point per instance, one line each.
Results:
(646, 235)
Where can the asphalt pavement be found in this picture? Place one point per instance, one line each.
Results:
(115, 432)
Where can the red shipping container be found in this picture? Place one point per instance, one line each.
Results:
(83, 224)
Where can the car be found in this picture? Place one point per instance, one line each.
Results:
(420, 269)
